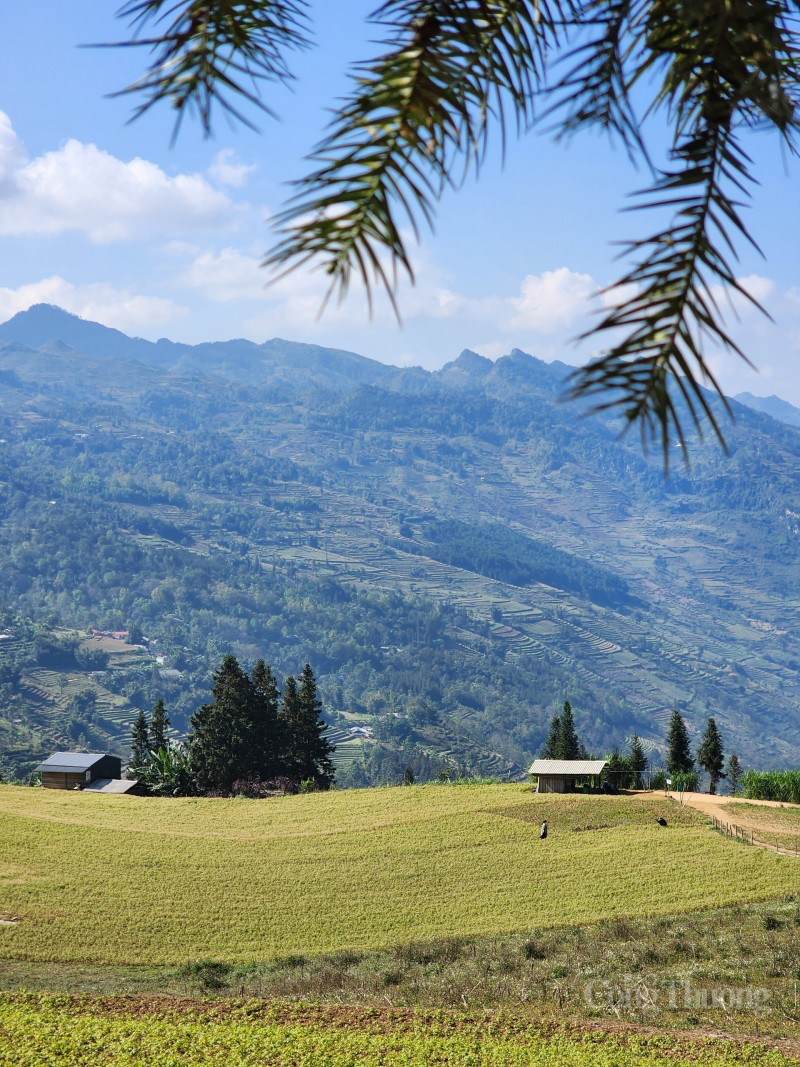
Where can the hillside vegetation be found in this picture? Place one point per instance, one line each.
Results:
(455, 552)
(131, 880)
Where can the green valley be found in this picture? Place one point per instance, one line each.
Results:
(455, 553)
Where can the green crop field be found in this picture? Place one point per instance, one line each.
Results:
(118, 1032)
(132, 880)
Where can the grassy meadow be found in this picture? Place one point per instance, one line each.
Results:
(126, 880)
(76, 1032)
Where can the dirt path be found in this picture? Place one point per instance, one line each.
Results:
(716, 805)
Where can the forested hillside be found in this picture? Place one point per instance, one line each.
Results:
(454, 552)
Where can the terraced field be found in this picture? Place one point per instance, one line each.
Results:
(152, 881)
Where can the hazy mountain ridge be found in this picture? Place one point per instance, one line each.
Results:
(773, 406)
(326, 470)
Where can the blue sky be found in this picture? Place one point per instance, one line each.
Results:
(109, 221)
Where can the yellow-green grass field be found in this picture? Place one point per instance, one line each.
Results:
(112, 879)
(122, 1032)
(783, 821)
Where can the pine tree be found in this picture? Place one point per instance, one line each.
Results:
(679, 755)
(552, 745)
(569, 745)
(734, 772)
(267, 756)
(301, 715)
(221, 737)
(637, 761)
(140, 743)
(159, 724)
(710, 755)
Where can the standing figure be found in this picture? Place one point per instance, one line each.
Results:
(543, 831)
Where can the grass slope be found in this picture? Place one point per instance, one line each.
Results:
(131, 880)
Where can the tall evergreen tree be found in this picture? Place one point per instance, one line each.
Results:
(734, 774)
(221, 736)
(301, 714)
(552, 745)
(637, 761)
(140, 743)
(159, 724)
(569, 746)
(268, 755)
(679, 755)
(710, 755)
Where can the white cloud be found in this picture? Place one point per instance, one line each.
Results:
(121, 308)
(80, 187)
(227, 169)
(551, 301)
(293, 302)
(728, 299)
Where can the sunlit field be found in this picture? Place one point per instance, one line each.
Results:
(134, 880)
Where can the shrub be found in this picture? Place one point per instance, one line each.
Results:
(256, 788)
(206, 974)
(533, 951)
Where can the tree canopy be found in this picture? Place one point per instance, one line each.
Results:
(710, 755)
(679, 754)
(449, 74)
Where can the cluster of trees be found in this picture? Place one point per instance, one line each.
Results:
(562, 740)
(683, 767)
(622, 769)
(628, 769)
(247, 738)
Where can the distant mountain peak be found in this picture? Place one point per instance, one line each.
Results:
(471, 363)
(774, 406)
(42, 324)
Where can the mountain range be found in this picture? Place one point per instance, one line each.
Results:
(456, 551)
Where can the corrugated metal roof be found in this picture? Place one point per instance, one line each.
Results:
(110, 785)
(567, 766)
(71, 762)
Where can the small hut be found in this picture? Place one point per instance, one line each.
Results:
(560, 775)
(71, 770)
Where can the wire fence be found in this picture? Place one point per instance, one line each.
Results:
(786, 846)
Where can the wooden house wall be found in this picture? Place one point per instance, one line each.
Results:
(550, 783)
(61, 780)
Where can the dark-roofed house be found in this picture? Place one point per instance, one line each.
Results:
(68, 770)
(560, 775)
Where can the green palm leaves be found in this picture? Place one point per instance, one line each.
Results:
(451, 72)
(418, 116)
(206, 51)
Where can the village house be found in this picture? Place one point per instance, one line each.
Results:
(561, 775)
(97, 772)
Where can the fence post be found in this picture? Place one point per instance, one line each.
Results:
(751, 835)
